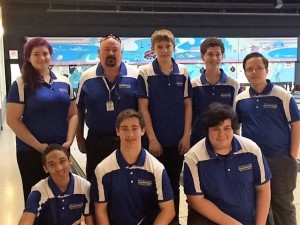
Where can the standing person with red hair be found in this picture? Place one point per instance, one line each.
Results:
(40, 110)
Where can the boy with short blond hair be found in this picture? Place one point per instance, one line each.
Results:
(164, 96)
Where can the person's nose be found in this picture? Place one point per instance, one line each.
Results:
(58, 167)
(221, 133)
(42, 57)
(130, 134)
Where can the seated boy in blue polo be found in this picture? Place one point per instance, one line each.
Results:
(60, 199)
(226, 177)
(132, 186)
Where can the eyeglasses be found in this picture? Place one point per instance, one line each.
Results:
(258, 69)
(110, 36)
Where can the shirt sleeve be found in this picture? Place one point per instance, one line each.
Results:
(33, 202)
(16, 93)
(191, 181)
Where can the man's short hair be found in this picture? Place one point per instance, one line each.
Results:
(216, 113)
(211, 42)
(54, 147)
(130, 113)
(162, 35)
(255, 55)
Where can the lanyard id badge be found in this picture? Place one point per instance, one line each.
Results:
(110, 106)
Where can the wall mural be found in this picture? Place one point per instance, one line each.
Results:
(72, 56)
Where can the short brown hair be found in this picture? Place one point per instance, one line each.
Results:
(54, 147)
(211, 42)
(162, 35)
(130, 113)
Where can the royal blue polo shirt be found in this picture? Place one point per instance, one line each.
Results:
(204, 94)
(93, 96)
(266, 118)
(228, 182)
(52, 206)
(131, 191)
(45, 110)
(166, 95)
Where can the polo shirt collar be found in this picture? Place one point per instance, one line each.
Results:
(100, 70)
(139, 162)
(159, 72)
(235, 146)
(52, 76)
(222, 80)
(56, 191)
(266, 91)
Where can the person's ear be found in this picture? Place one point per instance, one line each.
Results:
(45, 169)
(143, 131)
(70, 161)
(202, 55)
(117, 132)
(152, 49)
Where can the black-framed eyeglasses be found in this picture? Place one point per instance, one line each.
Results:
(110, 36)
(257, 69)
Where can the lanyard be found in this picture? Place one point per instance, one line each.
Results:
(109, 90)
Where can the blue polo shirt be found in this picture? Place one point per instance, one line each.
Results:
(266, 118)
(45, 110)
(204, 94)
(166, 95)
(51, 206)
(131, 191)
(93, 95)
(228, 182)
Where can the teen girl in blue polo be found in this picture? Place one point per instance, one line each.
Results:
(40, 110)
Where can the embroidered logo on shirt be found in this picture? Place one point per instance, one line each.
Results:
(63, 90)
(124, 86)
(76, 206)
(179, 83)
(245, 167)
(270, 106)
(147, 183)
(225, 95)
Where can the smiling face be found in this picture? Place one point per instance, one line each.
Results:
(221, 136)
(212, 57)
(130, 132)
(58, 166)
(40, 58)
(110, 53)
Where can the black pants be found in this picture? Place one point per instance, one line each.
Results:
(151, 217)
(284, 171)
(31, 169)
(195, 218)
(97, 149)
(173, 163)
